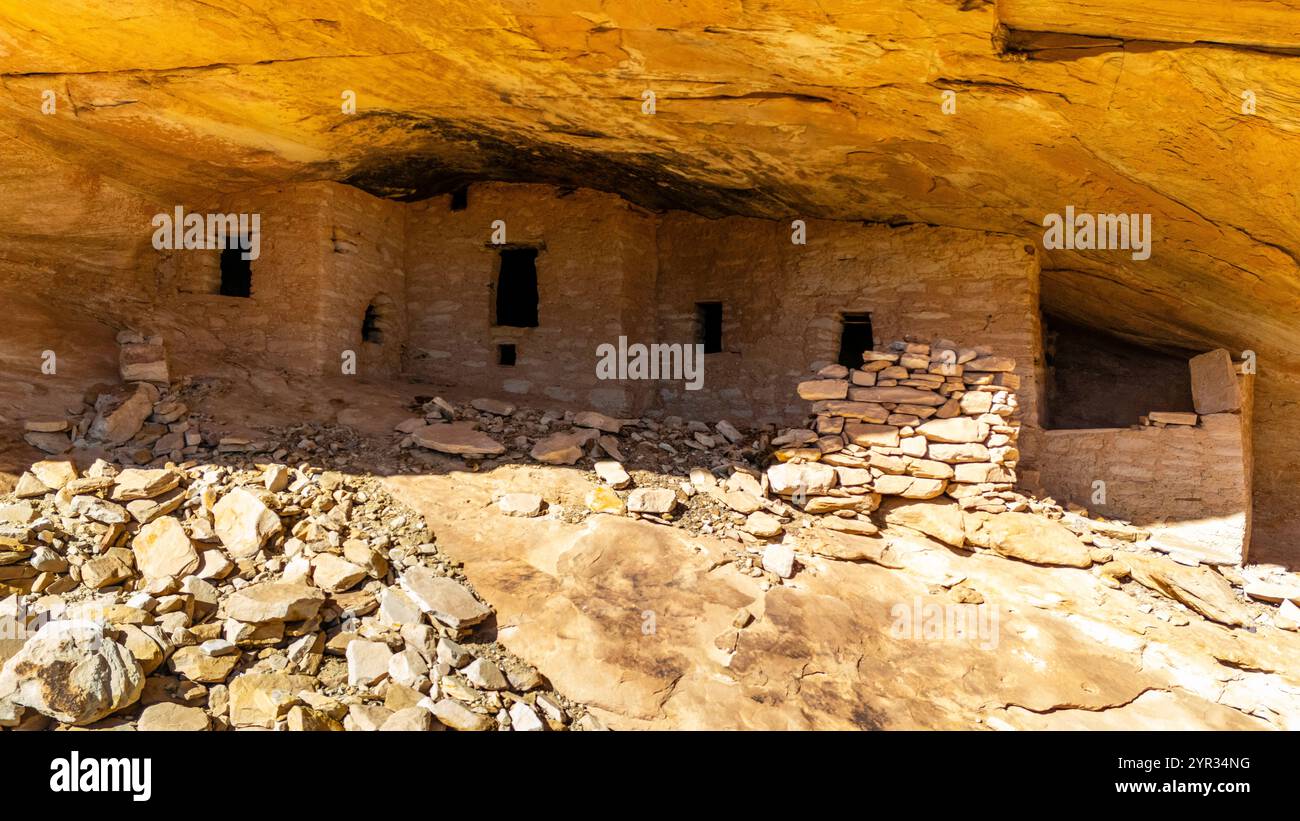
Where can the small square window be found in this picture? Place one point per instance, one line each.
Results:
(506, 355)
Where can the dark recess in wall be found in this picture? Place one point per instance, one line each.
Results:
(1095, 380)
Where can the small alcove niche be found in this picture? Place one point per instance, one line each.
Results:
(1096, 380)
(236, 273)
(506, 354)
(377, 320)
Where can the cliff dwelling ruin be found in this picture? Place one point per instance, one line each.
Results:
(512, 365)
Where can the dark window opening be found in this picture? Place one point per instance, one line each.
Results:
(517, 288)
(855, 338)
(460, 198)
(1096, 380)
(708, 317)
(506, 355)
(371, 331)
(236, 273)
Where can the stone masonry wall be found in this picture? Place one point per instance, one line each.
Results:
(326, 251)
(916, 420)
(782, 302)
(1187, 479)
(595, 273)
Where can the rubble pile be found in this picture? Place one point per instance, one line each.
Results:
(245, 595)
(922, 437)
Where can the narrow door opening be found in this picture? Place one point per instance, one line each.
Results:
(708, 316)
(855, 338)
(517, 295)
(236, 273)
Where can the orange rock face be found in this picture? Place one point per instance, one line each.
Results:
(961, 114)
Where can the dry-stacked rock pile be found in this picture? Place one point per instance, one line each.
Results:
(917, 420)
(199, 596)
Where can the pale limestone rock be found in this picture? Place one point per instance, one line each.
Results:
(398, 608)
(655, 500)
(134, 483)
(598, 421)
(54, 473)
(72, 672)
(121, 416)
(334, 575)
(992, 363)
(779, 559)
(957, 430)
(196, 665)
(485, 675)
(408, 719)
(29, 487)
(909, 487)
(789, 478)
(973, 403)
(763, 525)
(262, 699)
(274, 601)
(867, 435)
(243, 523)
(958, 453)
(815, 389)
(1200, 588)
(275, 478)
(527, 505)
(453, 714)
(367, 662)
(524, 720)
(612, 473)
(163, 549)
(445, 599)
(168, 717)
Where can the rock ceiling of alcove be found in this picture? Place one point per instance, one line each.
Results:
(775, 108)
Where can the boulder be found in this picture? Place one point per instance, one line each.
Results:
(274, 602)
(72, 672)
(1026, 537)
(1199, 588)
(939, 520)
(163, 550)
(243, 523)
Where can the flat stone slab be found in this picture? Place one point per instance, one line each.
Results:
(458, 439)
(445, 599)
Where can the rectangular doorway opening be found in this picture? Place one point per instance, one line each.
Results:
(236, 273)
(708, 326)
(517, 297)
(855, 338)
